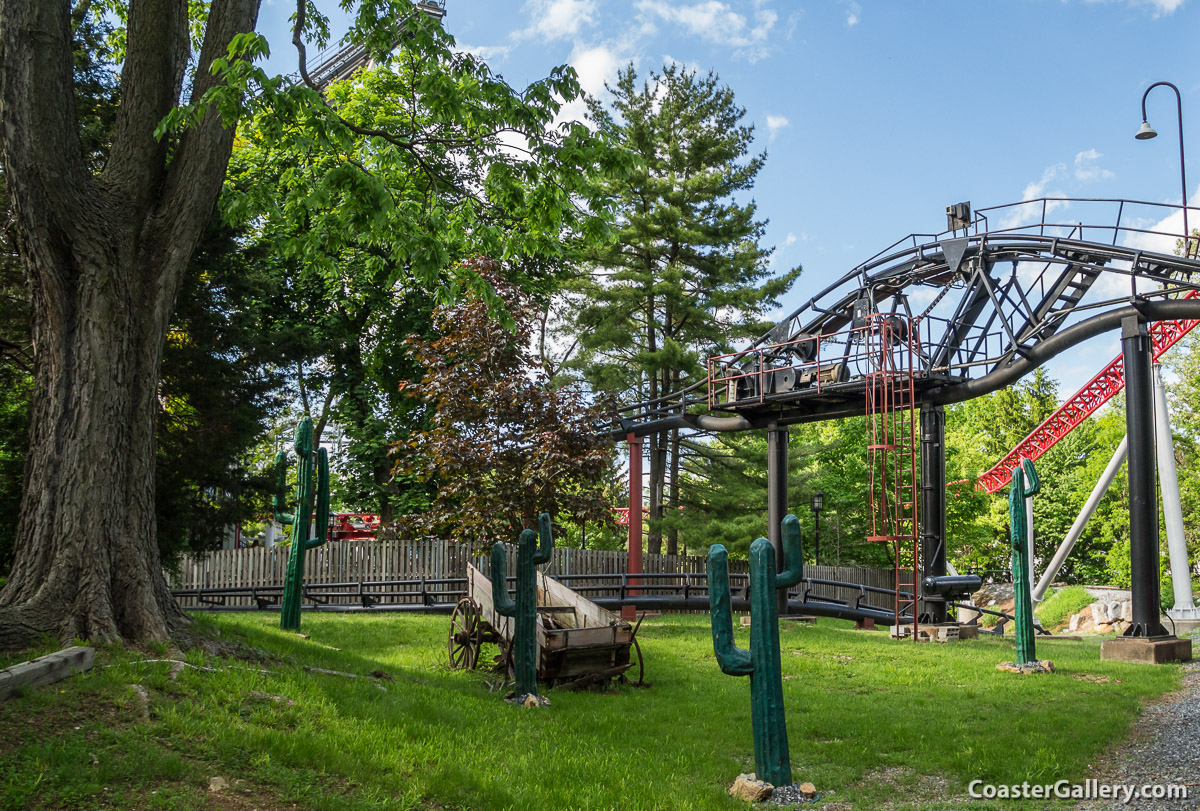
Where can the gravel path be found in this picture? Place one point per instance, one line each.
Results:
(1164, 749)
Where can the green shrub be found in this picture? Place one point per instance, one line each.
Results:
(1060, 605)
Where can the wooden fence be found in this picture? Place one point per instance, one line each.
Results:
(371, 561)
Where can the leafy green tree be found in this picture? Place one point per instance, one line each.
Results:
(106, 250)
(502, 444)
(220, 386)
(685, 276)
(374, 226)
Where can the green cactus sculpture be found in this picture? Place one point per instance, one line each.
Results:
(310, 465)
(523, 610)
(761, 663)
(1020, 558)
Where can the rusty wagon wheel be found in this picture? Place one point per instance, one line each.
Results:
(636, 674)
(465, 635)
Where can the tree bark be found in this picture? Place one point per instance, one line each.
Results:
(104, 257)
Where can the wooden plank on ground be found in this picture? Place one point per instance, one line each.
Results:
(46, 669)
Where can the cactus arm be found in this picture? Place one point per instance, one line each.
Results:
(546, 541)
(1035, 484)
(733, 660)
(505, 605)
(321, 530)
(792, 554)
(278, 499)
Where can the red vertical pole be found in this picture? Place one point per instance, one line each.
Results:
(629, 612)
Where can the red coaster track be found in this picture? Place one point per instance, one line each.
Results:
(1098, 391)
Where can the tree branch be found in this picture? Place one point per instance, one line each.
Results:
(155, 58)
(43, 165)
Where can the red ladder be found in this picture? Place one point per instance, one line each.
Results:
(892, 447)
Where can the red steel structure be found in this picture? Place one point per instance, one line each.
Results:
(1098, 391)
(892, 448)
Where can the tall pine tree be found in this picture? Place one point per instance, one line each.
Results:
(685, 276)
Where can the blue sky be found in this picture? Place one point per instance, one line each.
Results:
(876, 115)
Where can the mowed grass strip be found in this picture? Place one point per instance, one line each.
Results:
(872, 722)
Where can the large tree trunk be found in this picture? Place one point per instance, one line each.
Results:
(87, 561)
(104, 258)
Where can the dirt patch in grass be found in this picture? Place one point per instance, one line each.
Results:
(238, 796)
(60, 718)
(911, 788)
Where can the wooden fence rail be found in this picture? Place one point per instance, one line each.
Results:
(371, 560)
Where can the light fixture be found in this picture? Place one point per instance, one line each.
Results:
(818, 502)
(1146, 132)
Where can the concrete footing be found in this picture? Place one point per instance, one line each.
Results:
(1153, 650)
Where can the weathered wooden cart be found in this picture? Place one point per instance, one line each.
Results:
(578, 642)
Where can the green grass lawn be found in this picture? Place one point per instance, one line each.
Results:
(873, 723)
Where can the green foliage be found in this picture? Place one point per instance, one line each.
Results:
(1059, 606)
(371, 202)
(502, 443)
(685, 276)
(220, 386)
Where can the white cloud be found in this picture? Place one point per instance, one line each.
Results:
(558, 19)
(1158, 8)
(774, 124)
(792, 21)
(488, 53)
(789, 240)
(853, 13)
(1038, 187)
(1019, 215)
(1086, 168)
(1162, 235)
(717, 22)
(595, 65)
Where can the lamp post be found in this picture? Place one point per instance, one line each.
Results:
(818, 504)
(1146, 132)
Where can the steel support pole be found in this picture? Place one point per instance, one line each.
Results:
(629, 612)
(1143, 501)
(933, 503)
(777, 484)
(1168, 482)
(1085, 515)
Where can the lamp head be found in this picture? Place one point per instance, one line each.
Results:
(1145, 132)
(818, 502)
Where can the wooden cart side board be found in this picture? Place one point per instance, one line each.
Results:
(587, 614)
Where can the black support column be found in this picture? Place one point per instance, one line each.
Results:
(1143, 502)
(777, 485)
(933, 504)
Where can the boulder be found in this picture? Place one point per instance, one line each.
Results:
(749, 788)
(1100, 613)
(1103, 628)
